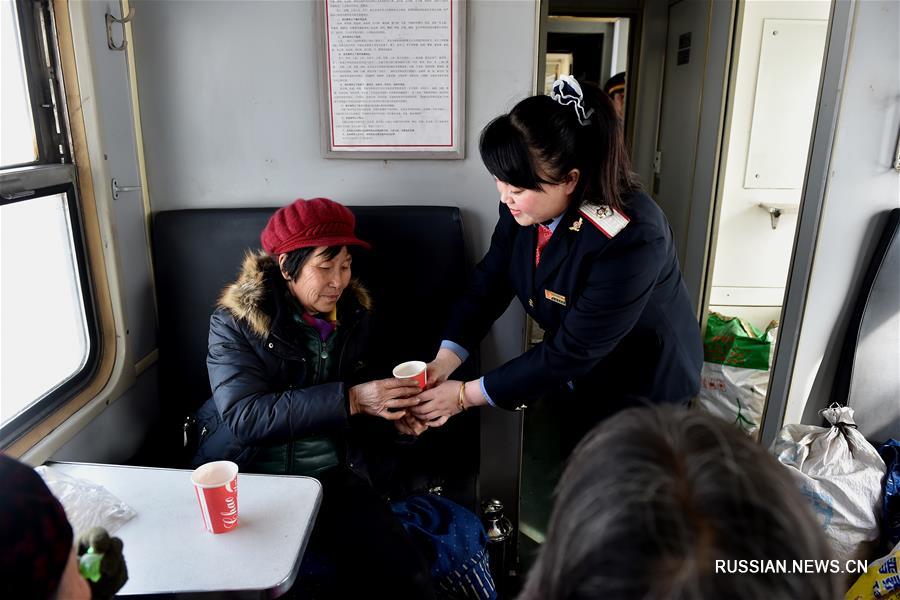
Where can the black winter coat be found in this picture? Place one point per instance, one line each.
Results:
(257, 366)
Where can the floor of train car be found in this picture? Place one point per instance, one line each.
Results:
(542, 465)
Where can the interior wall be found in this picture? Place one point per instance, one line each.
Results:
(230, 110)
(861, 185)
(114, 436)
(751, 258)
(119, 152)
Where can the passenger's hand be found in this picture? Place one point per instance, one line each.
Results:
(442, 367)
(438, 404)
(409, 425)
(385, 398)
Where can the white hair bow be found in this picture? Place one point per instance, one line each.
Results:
(566, 90)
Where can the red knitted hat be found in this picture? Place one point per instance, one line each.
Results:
(306, 223)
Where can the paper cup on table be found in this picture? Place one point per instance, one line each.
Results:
(216, 486)
(414, 369)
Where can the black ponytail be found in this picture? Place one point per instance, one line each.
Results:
(540, 141)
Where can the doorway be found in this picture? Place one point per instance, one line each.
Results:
(771, 106)
(740, 85)
(593, 49)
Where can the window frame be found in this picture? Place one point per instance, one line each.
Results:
(52, 173)
(37, 32)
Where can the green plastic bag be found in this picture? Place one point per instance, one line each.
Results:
(737, 343)
(735, 377)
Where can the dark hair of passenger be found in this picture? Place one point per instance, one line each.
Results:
(295, 260)
(652, 498)
(540, 141)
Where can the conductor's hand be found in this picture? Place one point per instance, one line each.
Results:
(438, 404)
(442, 367)
(409, 425)
(385, 398)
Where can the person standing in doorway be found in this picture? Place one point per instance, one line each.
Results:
(615, 89)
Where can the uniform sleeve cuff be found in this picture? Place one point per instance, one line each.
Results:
(485, 393)
(458, 350)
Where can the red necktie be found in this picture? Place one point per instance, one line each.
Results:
(543, 236)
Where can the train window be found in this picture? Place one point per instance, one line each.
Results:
(49, 345)
(19, 142)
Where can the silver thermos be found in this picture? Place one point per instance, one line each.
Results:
(500, 539)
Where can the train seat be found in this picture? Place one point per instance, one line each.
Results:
(415, 270)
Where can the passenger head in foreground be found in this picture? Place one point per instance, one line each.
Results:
(37, 555)
(665, 504)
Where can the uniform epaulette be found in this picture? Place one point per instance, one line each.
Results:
(608, 220)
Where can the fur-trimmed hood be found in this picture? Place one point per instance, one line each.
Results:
(247, 297)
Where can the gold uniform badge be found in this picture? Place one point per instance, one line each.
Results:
(554, 297)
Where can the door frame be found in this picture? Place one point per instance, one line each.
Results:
(705, 173)
(834, 67)
(631, 10)
(812, 198)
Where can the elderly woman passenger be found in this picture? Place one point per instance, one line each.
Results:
(287, 366)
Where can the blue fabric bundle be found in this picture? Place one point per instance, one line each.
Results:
(453, 542)
(890, 519)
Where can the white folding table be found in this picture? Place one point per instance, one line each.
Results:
(168, 551)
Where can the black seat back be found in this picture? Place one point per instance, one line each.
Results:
(415, 271)
(867, 376)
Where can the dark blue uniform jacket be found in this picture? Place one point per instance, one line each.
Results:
(618, 320)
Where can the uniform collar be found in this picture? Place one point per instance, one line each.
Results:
(552, 223)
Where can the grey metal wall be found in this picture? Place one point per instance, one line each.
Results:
(860, 185)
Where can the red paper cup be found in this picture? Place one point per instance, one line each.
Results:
(414, 369)
(216, 486)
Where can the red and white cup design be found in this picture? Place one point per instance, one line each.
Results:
(216, 486)
(413, 369)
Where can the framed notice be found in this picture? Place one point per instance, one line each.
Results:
(393, 78)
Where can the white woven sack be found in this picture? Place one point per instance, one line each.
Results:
(841, 475)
